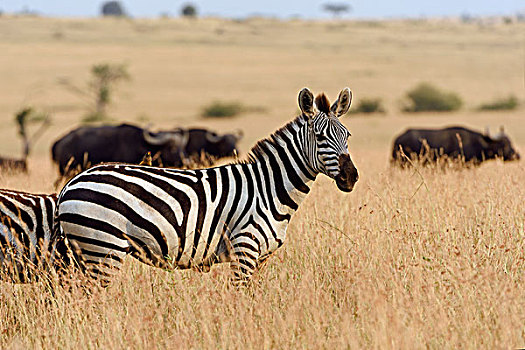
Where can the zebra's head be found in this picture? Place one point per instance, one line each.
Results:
(326, 138)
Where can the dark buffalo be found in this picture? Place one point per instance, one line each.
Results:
(457, 142)
(126, 143)
(204, 146)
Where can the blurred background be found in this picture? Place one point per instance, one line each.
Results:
(239, 65)
(412, 258)
(379, 9)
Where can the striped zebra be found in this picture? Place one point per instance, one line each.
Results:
(237, 213)
(26, 226)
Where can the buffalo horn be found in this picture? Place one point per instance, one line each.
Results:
(161, 139)
(213, 138)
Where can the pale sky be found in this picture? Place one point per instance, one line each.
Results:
(277, 8)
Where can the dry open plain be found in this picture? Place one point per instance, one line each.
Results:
(409, 259)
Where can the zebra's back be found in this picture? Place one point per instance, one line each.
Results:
(165, 217)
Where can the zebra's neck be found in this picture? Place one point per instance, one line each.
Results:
(282, 160)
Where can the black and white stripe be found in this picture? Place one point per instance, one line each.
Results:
(26, 226)
(175, 218)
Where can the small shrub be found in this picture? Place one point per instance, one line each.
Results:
(369, 105)
(504, 104)
(220, 109)
(507, 20)
(426, 97)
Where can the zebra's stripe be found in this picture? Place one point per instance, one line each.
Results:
(26, 231)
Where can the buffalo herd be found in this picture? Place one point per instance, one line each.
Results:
(453, 144)
(87, 146)
(196, 147)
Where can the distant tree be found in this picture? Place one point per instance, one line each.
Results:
(100, 88)
(336, 9)
(189, 10)
(27, 116)
(112, 8)
(105, 76)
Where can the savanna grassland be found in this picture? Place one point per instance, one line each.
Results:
(421, 258)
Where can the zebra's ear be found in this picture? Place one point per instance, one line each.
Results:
(306, 102)
(342, 104)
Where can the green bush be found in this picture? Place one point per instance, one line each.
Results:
(426, 97)
(220, 109)
(503, 104)
(369, 105)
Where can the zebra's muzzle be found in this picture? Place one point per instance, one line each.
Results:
(348, 175)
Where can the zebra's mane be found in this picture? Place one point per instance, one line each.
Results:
(322, 103)
(262, 146)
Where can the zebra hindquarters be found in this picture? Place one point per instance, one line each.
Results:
(17, 256)
(98, 254)
(14, 267)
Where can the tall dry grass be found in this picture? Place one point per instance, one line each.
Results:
(410, 259)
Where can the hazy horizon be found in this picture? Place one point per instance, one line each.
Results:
(272, 8)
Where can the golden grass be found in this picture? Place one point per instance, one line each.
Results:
(388, 266)
(426, 259)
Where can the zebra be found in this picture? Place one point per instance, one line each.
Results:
(26, 231)
(237, 213)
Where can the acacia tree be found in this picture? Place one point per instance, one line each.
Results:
(28, 116)
(336, 9)
(105, 76)
(98, 95)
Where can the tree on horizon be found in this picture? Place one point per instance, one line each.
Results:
(336, 9)
(112, 8)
